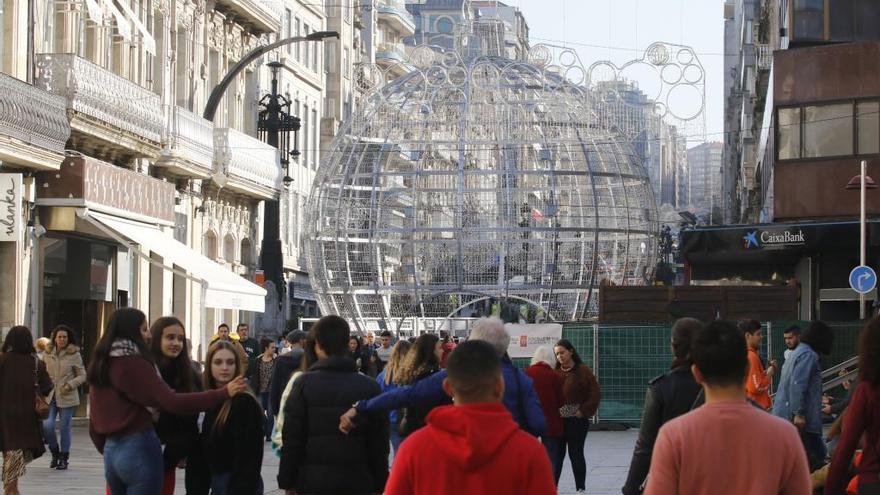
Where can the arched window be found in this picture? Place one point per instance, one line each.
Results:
(229, 249)
(246, 255)
(209, 246)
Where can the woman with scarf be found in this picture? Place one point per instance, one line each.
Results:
(126, 394)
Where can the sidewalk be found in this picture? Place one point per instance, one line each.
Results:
(608, 455)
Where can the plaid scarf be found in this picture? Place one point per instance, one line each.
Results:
(124, 347)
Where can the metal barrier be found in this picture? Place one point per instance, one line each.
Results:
(625, 357)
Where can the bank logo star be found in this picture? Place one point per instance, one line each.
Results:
(751, 239)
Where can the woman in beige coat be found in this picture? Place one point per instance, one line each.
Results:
(65, 366)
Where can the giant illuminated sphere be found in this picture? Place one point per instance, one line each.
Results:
(474, 179)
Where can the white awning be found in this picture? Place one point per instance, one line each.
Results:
(224, 289)
(96, 14)
(122, 26)
(147, 38)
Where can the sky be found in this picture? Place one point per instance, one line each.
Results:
(620, 30)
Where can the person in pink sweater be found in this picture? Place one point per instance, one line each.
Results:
(726, 446)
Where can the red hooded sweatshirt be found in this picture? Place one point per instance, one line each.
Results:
(471, 449)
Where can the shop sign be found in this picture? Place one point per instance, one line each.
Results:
(773, 239)
(10, 207)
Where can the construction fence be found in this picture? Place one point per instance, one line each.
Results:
(625, 357)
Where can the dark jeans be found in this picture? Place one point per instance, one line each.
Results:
(574, 437)
(133, 464)
(267, 426)
(220, 485)
(553, 445)
(815, 448)
(395, 437)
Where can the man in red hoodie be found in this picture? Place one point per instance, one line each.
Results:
(473, 446)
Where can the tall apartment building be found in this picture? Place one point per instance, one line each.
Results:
(122, 194)
(704, 169)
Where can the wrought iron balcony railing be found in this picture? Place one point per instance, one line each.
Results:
(189, 143)
(101, 96)
(248, 165)
(32, 115)
(394, 12)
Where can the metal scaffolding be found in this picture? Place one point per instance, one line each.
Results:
(472, 181)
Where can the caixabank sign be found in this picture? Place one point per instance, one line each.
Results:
(773, 239)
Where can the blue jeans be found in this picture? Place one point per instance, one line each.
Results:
(553, 445)
(133, 464)
(66, 415)
(267, 411)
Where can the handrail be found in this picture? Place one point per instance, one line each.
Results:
(849, 363)
(839, 379)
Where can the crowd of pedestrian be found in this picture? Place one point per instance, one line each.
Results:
(334, 404)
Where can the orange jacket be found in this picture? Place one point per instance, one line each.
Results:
(757, 381)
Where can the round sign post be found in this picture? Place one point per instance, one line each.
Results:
(863, 279)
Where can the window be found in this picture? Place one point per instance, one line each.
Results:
(828, 130)
(296, 46)
(285, 29)
(315, 145)
(314, 56)
(853, 20)
(809, 19)
(788, 143)
(868, 124)
(345, 61)
(304, 130)
(306, 31)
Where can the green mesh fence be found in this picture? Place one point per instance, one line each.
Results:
(629, 356)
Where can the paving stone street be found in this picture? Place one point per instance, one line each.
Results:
(608, 455)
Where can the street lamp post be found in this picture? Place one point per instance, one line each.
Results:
(271, 260)
(862, 182)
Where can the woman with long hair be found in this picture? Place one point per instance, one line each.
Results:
(363, 355)
(669, 395)
(386, 383)
(261, 372)
(421, 361)
(581, 390)
(22, 375)
(65, 366)
(179, 434)
(232, 432)
(125, 392)
(861, 421)
(548, 386)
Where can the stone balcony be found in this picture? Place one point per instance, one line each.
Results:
(33, 127)
(246, 165)
(264, 16)
(393, 56)
(394, 13)
(108, 114)
(189, 145)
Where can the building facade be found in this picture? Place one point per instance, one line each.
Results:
(704, 167)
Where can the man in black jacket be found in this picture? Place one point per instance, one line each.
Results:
(285, 366)
(316, 457)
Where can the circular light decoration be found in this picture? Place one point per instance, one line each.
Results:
(476, 181)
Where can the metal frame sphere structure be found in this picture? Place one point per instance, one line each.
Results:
(477, 177)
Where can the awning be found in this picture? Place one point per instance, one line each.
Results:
(223, 289)
(95, 12)
(122, 26)
(147, 38)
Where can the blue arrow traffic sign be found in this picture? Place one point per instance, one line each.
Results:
(862, 279)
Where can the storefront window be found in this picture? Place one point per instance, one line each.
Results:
(808, 19)
(788, 142)
(868, 124)
(828, 130)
